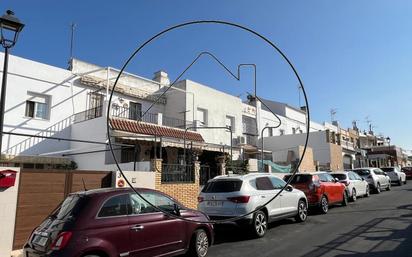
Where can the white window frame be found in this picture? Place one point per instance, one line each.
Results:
(38, 99)
(205, 117)
(232, 122)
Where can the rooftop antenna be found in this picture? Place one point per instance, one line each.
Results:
(299, 88)
(72, 27)
(333, 112)
(369, 122)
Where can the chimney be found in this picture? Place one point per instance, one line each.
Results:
(303, 108)
(162, 77)
(336, 123)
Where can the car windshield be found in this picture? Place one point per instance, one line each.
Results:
(362, 172)
(339, 176)
(298, 179)
(222, 186)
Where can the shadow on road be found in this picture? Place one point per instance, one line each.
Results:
(388, 236)
(233, 233)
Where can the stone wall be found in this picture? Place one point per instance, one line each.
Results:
(336, 160)
(308, 163)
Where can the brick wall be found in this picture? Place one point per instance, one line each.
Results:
(186, 193)
(307, 162)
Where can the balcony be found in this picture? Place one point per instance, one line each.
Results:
(347, 145)
(153, 118)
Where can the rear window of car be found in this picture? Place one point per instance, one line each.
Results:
(388, 169)
(362, 172)
(339, 176)
(67, 207)
(298, 179)
(222, 186)
(408, 169)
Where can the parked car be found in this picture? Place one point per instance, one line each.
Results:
(408, 172)
(376, 178)
(355, 185)
(117, 222)
(396, 175)
(231, 196)
(321, 189)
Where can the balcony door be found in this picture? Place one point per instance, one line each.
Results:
(135, 111)
(95, 103)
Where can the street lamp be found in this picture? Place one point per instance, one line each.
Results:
(10, 27)
(388, 139)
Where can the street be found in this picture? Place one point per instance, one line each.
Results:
(380, 225)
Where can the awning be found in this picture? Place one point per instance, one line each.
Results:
(143, 128)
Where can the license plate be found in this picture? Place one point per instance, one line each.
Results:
(40, 240)
(214, 203)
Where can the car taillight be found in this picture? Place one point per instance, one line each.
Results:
(200, 199)
(239, 199)
(61, 241)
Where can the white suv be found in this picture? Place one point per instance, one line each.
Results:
(230, 196)
(396, 175)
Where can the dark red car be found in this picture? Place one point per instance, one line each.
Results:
(408, 172)
(321, 189)
(117, 222)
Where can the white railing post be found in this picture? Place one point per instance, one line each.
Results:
(160, 119)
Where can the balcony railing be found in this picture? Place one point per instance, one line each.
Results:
(131, 114)
(347, 145)
(88, 114)
(177, 173)
(176, 123)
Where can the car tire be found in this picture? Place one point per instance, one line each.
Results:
(345, 199)
(400, 182)
(324, 205)
(378, 188)
(259, 224)
(302, 214)
(353, 198)
(388, 188)
(199, 245)
(368, 192)
(404, 182)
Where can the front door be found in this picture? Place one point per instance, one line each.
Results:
(153, 233)
(266, 191)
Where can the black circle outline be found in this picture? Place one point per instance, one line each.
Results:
(230, 24)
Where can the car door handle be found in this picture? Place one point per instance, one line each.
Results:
(137, 228)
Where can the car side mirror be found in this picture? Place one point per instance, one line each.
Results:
(289, 188)
(176, 209)
(336, 180)
(363, 179)
(386, 174)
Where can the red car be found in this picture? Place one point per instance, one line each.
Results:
(117, 222)
(321, 189)
(408, 172)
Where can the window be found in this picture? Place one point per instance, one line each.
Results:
(264, 183)
(127, 154)
(230, 122)
(37, 106)
(140, 206)
(282, 132)
(277, 183)
(115, 206)
(352, 176)
(325, 177)
(222, 186)
(201, 117)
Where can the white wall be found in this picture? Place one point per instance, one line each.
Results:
(8, 205)
(218, 104)
(141, 179)
(280, 145)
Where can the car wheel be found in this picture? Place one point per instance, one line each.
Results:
(388, 188)
(400, 182)
(324, 205)
(302, 214)
(345, 198)
(368, 193)
(199, 245)
(353, 198)
(259, 224)
(378, 188)
(404, 182)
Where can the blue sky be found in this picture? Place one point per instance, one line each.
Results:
(355, 56)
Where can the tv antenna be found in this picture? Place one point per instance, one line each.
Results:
(333, 112)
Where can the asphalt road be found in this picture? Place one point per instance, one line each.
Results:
(378, 226)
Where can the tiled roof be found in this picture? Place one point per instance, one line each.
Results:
(152, 129)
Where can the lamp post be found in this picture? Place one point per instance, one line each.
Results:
(10, 27)
(388, 139)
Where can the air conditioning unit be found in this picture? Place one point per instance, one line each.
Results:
(241, 140)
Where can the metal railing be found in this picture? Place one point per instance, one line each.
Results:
(131, 114)
(204, 174)
(347, 145)
(176, 123)
(89, 114)
(177, 173)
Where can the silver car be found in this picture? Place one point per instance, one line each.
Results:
(356, 185)
(376, 178)
(396, 175)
